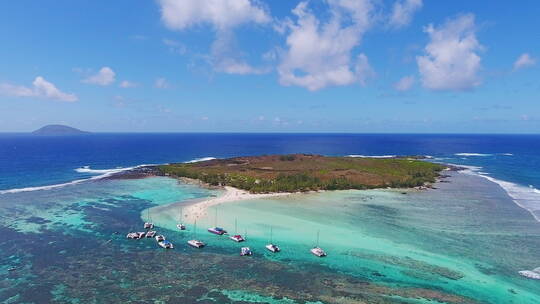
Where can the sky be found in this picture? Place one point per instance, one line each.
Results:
(362, 66)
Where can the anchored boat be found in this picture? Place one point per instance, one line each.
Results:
(166, 244)
(317, 251)
(148, 224)
(236, 237)
(272, 247)
(217, 230)
(135, 235)
(160, 238)
(195, 243)
(151, 234)
(245, 251)
(180, 225)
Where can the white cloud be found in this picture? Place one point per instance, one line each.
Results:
(161, 83)
(128, 84)
(451, 61)
(104, 77)
(40, 88)
(524, 61)
(402, 12)
(319, 53)
(223, 16)
(405, 83)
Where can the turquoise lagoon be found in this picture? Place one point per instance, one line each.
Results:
(463, 242)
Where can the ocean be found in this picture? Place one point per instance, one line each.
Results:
(63, 224)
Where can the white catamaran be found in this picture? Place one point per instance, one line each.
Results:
(272, 247)
(318, 250)
(237, 237)
(180, 225)
(195, 243)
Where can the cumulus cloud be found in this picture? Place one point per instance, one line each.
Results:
(104, 77)
(402, 12)
(319, 53)
(451, 61)
(40, 88)
(127, 84)
(524, 61)
(223, 16)
(405, 83)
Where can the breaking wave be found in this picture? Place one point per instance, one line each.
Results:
(196, 160)
(371, 156)
(472, 154)
(86, 169)
(525, 197)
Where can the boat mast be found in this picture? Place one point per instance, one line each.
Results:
(195, 229)
(215, 219)
(270, 234)
(318, 232)
(235, 226)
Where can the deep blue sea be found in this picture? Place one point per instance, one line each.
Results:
(29, 161)
(63, 237)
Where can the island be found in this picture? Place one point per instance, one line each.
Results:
(58, 130)
(307, 172)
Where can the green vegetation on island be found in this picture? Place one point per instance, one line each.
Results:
(306, 172)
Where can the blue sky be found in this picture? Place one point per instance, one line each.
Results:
(271, 66)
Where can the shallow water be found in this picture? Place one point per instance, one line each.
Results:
(466, 238)
(461, 243)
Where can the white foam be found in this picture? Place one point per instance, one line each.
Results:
(472, 154)
(371, 156)
(196, 160)
(531, 274)
(527, 198)
(108, 173)
(507, 154)
(86, 169)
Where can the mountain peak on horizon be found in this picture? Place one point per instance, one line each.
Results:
(58, 130)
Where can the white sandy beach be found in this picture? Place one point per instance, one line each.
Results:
(231, 194)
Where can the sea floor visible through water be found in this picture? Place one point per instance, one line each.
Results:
(463, 242)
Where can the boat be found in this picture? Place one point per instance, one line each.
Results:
(148, 224)
(151, 233)
(245, 251)
(135, 235)
(217, 230)
(272, 247)
(180, 225)
(236, 237)
(166, 244)
(195, 243)
(318, 251)
(160, 238)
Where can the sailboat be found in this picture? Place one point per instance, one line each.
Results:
(180, 225)
(195, 243)
(236, 237)
(148, 224)
(272, 247)
(318, 250)
(217, 230)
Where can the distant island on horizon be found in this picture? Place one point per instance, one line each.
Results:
(58, 130)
